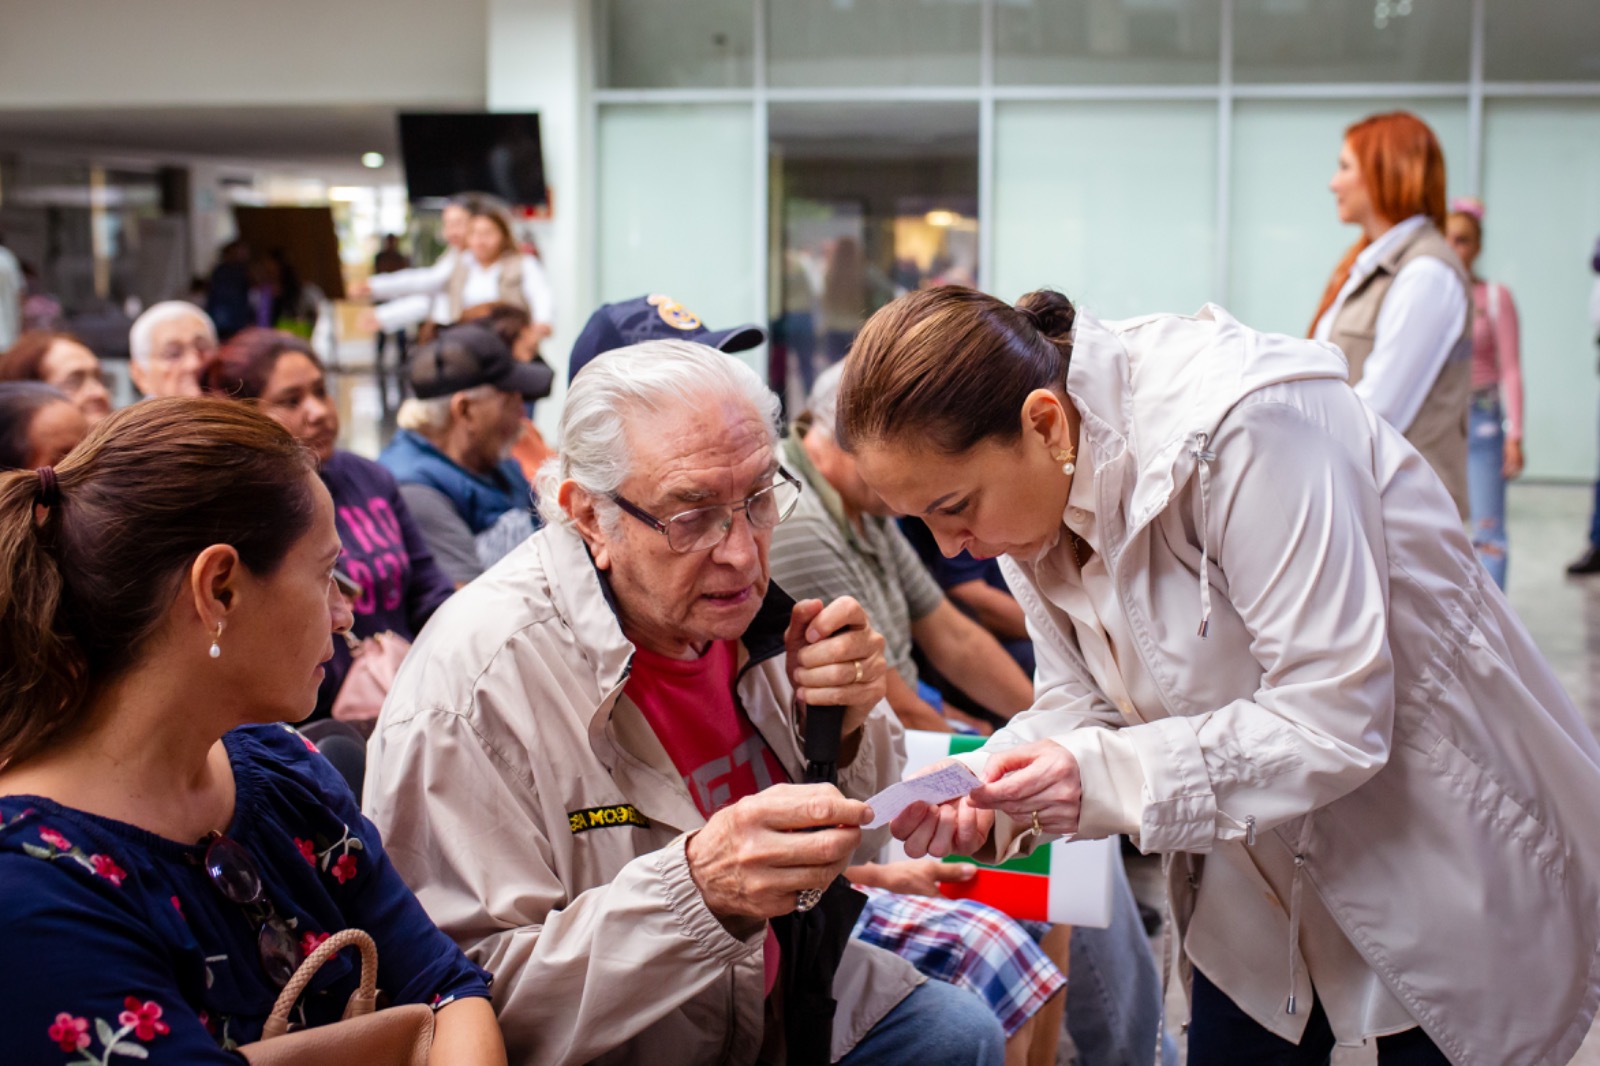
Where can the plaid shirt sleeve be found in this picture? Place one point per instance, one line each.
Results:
(970, 945)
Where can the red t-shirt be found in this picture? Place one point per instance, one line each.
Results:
(690, 705)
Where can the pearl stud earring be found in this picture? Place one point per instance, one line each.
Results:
(1065, 457)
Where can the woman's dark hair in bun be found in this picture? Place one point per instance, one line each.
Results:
(953, 365)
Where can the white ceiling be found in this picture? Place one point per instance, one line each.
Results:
(321, 137)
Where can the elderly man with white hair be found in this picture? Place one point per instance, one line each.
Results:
(586, 766)
(170, 344)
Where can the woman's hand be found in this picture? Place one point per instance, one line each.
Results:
(1513, 460)
(1035, 781)
(954, 828)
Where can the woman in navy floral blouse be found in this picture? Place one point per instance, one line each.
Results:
(169, 849)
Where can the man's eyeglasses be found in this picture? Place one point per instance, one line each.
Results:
(705, 527)
(237, 877)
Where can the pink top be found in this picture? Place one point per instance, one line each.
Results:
(1496, 357)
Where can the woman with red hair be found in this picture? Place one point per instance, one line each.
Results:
(1397, 303)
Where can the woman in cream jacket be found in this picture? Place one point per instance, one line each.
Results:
(1265, 648)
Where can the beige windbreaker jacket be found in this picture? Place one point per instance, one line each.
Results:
(1334, 667)
(542, 825)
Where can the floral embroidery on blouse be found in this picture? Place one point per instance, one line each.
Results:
(310, 941)
(59, 847)
(334, 859)
(140, 1021)
(302, 738)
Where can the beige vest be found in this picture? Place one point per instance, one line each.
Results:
(1439, 431)
(510, 285)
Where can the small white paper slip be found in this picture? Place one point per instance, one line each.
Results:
(949, 783)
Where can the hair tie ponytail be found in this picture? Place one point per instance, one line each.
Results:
(48, 494)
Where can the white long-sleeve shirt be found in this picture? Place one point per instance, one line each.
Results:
(481, 286)
(412, 297)
(1422, 318)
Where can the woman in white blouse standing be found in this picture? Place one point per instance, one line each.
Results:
(1397, 303)
(1266, 649)
(487, 268)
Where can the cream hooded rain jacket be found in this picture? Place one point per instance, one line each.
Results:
(1334, 667)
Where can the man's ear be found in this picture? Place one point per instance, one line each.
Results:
(581, 507)
(460, 402)
(136, 371)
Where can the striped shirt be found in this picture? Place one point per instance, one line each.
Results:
(819, 553)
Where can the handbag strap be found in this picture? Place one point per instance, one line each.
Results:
(362, 1000)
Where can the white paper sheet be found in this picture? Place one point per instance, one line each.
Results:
(948, 783)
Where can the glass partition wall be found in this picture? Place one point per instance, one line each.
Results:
(1140, 155)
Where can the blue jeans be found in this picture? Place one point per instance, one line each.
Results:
(936, 1025)
(1113, 990)
(1486, 484)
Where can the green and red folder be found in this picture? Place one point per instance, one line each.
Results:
(1060, 882)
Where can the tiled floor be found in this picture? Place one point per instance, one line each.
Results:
(1548, 525)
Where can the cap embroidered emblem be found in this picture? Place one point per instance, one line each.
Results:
(674, 313)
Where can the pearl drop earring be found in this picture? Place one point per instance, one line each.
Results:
(1065, 457)
(216, 649)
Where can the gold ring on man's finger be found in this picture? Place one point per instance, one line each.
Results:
(859, 673)
(1036, 830)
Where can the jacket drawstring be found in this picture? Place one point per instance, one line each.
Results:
(1203, 457)
(1295, 887)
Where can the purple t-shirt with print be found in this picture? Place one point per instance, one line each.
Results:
(401, 585)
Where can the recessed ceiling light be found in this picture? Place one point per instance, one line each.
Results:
(372, 160)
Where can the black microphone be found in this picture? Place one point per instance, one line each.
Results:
(824, 729)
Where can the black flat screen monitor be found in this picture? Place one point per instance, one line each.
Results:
(450, 153)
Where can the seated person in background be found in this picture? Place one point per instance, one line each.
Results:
(168, 347)
(62, 361)
(842, 543)
(584, 766)
(966, 944)
(516, 328)
(451, 456)
(38, 425)
(169, 849)
(398, 584)
(979, 591)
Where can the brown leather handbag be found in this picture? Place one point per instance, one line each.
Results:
(395, 1036)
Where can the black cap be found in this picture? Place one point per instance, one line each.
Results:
(652, 318)
(466, 356)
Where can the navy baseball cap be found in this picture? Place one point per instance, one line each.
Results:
(466, 356)
(652, 318)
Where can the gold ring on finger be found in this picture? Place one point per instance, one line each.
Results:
(859, 673)
(1036, 830)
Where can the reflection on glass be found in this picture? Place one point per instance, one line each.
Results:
(1542, 40)
(662, 44)
(873, 42)
(876, 200)
(1108, 42)
(1352, 40)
